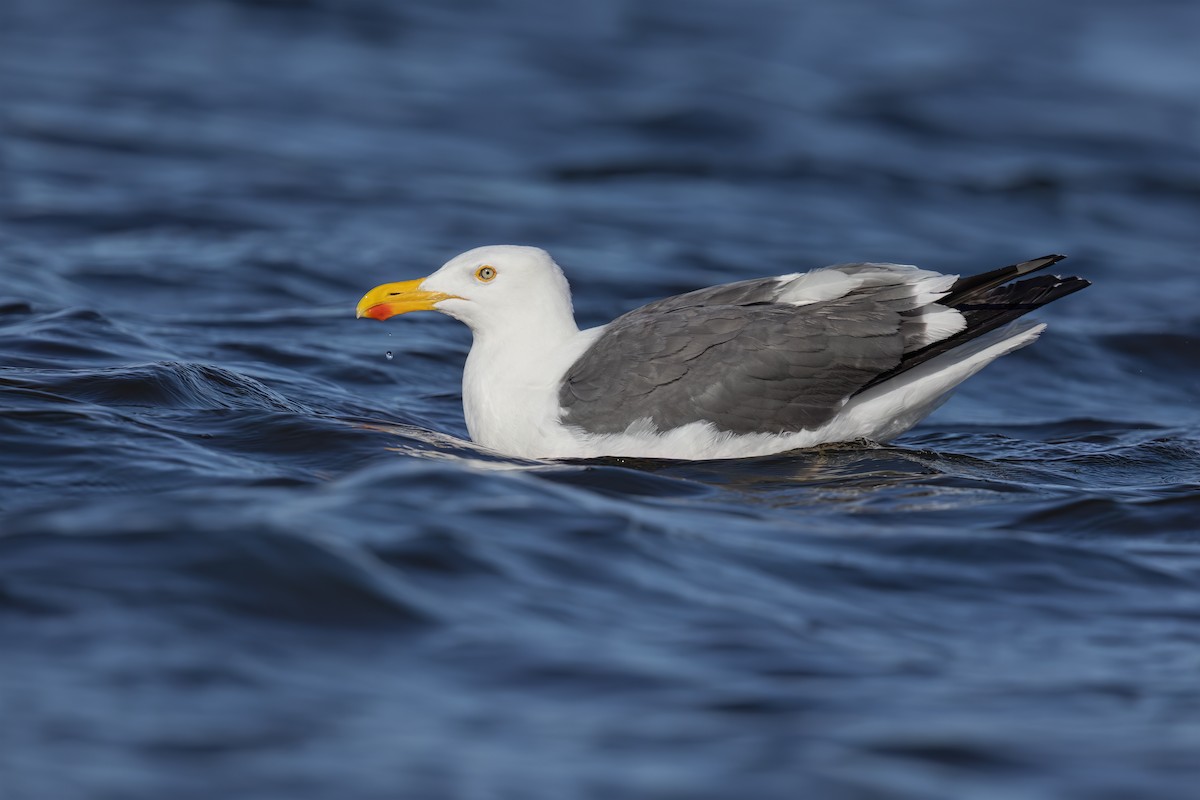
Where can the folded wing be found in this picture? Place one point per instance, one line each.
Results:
(780, 355)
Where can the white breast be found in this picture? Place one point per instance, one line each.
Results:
(510, 394)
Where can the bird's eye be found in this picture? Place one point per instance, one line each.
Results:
(485, 273)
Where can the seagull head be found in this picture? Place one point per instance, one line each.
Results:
(496, 285)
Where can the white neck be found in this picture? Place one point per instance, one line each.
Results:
(512, 377)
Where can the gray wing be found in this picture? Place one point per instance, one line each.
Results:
(732, 357)
(757, 291)
(741, 293)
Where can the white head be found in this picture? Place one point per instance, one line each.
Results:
(489, 288)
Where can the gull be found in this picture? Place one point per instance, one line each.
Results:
(761, 366)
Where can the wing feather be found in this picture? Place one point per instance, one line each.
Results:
(735, 357)
(780, 355)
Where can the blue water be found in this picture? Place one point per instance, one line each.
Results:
(243, 553)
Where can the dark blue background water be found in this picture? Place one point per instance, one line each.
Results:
(243, 554)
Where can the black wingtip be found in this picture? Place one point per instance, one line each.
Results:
(1070, 285)
(971, 288)
(991, 300)
(1034, 264)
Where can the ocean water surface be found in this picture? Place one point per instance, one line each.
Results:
(247, 550)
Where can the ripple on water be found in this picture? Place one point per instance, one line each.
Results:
(244, 552)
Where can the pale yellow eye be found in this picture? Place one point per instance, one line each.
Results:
(485, 273)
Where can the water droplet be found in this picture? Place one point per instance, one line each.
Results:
(389, 355)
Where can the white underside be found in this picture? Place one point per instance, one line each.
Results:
(533, 429)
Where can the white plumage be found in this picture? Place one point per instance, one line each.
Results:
(518, 385)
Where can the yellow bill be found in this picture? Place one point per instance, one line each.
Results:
(391, 299)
